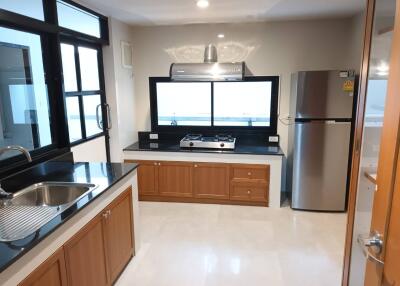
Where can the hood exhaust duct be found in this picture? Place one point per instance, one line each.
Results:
(210, 70)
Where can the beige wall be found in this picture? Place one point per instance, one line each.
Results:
(119, 90)
(280, 48)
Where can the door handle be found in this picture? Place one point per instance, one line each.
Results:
(109, 122)
(98, 120)
(373, 242)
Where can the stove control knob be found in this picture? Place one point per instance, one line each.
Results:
(222, 145)
(191, 144)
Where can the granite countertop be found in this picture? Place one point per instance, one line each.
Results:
(248, 148)
(104, 175)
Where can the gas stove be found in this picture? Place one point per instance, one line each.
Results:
(221, 141)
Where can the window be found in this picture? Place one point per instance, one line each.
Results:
(24, 106)
(74, 18)
(82, 91)
(30, 8)
(184, 104)
(242, 103)
(214, 106)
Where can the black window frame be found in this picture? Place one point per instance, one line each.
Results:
(51, 34)
(270, 130)
(81, 94)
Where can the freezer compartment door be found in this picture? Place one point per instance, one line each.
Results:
(324, 94)
(320, 165)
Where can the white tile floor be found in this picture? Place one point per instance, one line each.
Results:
(209, 245)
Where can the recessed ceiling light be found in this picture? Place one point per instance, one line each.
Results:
(203, 4)
(221, 36)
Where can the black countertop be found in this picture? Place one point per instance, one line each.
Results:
(105, 175)
(248, 148)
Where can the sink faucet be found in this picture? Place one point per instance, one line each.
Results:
(3, 193)
(16, 148)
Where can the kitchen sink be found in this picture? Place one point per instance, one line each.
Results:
(29, 209)
(50, 194)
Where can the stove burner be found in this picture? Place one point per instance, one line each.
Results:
(220, 141)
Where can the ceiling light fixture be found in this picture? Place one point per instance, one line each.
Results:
(203, 4)
(221, 36)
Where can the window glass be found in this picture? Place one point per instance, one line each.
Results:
(184, 104)
(242, 103)
(74, 118)
(93, 115)
(89, 66)
(24, 106)
(30, 8)
(73, 18)
(69, 70)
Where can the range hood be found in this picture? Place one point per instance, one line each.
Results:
(210, 70)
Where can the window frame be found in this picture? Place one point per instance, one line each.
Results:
(51, 33)
(81, 94)
(271, 130)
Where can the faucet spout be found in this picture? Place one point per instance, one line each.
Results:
(17, 148)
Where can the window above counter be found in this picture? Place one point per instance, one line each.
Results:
(249, 105)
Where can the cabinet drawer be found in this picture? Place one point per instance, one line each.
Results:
(250, 172)
(249, 192)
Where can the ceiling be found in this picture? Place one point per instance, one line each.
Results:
(180, 12)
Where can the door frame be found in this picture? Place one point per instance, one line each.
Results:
(358, 135)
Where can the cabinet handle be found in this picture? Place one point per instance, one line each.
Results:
(105, 215)
(155, 163)
(159, 164)
(195, 166)
(109, 212)
(249, 173)
(249, 192)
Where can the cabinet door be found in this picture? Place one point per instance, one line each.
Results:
(119, 233)
(50, 273)
(147, 178)
(85, 256)
(175, 179)
(211, 181)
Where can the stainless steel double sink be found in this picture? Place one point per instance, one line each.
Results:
(31, 208)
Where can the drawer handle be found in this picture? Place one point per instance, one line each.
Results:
(249, 192)
(195, 166)
(249, 173)
(155, 164)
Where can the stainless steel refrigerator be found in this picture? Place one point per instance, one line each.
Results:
(321, 110)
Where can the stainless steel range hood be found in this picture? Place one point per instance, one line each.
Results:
(210, 70)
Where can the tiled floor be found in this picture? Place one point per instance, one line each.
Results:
(199, 245)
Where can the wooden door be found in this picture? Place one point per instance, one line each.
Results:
(147, 177)
(50, 273)
(175, 179)
(119, 233)
(387, 191)
(85, 256)
(211, 181)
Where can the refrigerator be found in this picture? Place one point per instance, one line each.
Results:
(321, 109)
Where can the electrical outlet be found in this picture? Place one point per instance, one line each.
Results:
(153, 136)
(273, 139)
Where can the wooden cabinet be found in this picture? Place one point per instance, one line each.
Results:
(211, 180)
(85, 255)
(50, 273)
(147, 177)
(175, 179)
(119, 233)
(249, 183)
(96, 255)
(224, 183)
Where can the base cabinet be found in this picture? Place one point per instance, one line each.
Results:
(85, 256)
(211, 181)
(52, 272)
(97, 254)
(243, 184)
